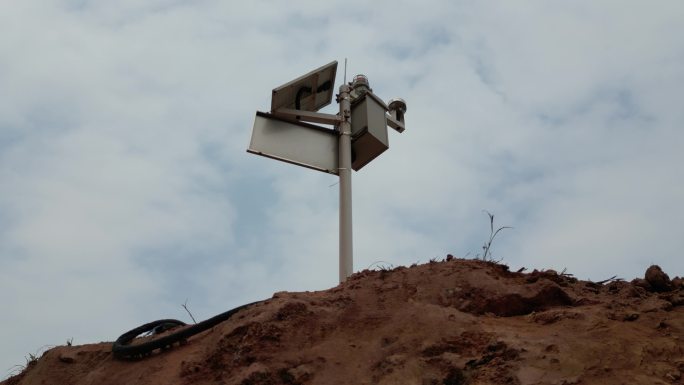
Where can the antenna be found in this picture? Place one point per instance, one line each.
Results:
(345, 70)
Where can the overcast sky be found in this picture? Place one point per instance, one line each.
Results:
(126, 188)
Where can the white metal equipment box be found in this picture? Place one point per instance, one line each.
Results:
(369, 129)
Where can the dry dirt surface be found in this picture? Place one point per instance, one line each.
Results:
(450, 322)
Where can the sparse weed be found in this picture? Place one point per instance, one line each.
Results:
(381, 266)
(487, 247)
(185, 306)
(13, 371)
(31, 360)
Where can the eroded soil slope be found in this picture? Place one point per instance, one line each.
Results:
(451, 322)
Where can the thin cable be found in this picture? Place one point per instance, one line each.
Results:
(122, 350)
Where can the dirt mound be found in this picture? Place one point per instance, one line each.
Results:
(452, 322)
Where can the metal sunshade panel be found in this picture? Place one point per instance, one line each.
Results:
(306, 145)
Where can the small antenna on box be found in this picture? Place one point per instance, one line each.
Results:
(345, 70)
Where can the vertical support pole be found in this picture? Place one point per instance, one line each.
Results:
(345, 154)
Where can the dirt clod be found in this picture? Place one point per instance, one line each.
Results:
(658, 279)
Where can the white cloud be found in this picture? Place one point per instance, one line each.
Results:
(125, 187)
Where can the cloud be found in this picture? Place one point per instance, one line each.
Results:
(125, 187)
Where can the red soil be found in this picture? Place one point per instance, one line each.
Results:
(452, 322)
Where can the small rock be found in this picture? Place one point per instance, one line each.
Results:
(642, 283)
(449, 257)
(680, 365)
(658, 279)
(673, 376)
(302, 372)
(67, 357)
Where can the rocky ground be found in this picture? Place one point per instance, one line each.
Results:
(450, 322)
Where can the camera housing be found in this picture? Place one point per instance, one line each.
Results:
(397, 109)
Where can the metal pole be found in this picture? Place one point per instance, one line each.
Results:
(346, 243)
